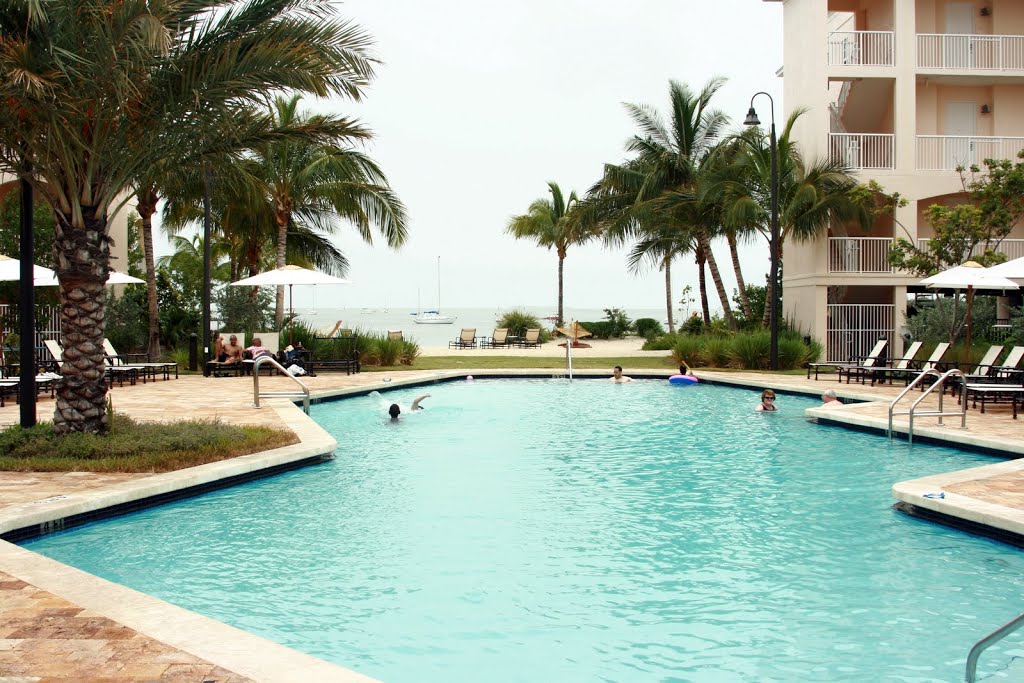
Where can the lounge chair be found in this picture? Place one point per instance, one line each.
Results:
(1010, 363)
(531, 339)
(466, 339)
(271, 341)
(146, 367)
(498, 339)
(997, 389)
(222, 369)
(865, 362)
(983, 368)
(111, 372)
(393, 335)
(934, 362)
(898, 368)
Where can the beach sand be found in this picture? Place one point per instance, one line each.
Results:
(600, 348)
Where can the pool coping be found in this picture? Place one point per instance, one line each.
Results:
(249, 655)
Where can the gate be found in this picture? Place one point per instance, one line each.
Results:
(853, 330)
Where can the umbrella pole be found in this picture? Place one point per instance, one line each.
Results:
(291, 316)
(970, 298)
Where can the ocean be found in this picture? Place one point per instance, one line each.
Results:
(483, 319)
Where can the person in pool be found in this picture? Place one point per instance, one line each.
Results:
(395, 410)
(830, 400)
(767, 404)
(617, 376)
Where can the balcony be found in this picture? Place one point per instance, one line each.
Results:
(860, 48)
(863, 150)
(966, 52)
(1012, 248)
(948, 152)
(859, 254)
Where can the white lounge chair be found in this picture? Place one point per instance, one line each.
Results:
(840, 367)
(145, 368)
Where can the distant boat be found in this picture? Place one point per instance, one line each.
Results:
(434, 317)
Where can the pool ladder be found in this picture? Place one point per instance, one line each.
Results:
(970, 675)
(939, 383)
(257, 395)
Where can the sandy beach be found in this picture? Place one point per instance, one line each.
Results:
(600, 348)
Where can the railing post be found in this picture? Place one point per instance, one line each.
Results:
(193, 352)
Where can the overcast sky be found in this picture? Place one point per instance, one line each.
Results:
(479, 104)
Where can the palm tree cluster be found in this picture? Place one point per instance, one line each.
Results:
(685, 184)
(109, 99)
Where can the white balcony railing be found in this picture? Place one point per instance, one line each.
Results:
(863, 150)
(947, 152)
(859, 254)
(967, 52)
(1012, 248)
(860, 48)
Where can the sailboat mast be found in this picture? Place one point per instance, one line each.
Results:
(438, 284)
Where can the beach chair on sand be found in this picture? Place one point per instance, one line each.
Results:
(146, 367)
(531, 339)
(867, 361)
(466, 339)
(898, 368)
(498, 339)
(395, 335)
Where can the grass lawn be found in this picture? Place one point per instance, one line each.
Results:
(134, 446)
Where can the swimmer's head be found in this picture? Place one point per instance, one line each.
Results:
(394, 411)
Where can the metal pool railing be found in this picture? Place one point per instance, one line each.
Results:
(304, 394)
(939, 384)
(971, 672)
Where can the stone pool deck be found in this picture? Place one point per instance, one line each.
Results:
(59, 623)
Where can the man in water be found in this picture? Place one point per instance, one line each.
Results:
(617, 376)
(830, 400)
(395, 410)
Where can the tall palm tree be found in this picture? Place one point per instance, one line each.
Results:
(667, 154)
(812, 194)
(97, 91)
(549, 223)
(318, 184)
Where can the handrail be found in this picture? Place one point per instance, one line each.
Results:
(983, 644)
(568, 356)
(256, 384)
(940, 384)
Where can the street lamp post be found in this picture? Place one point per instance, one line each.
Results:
(774, 292)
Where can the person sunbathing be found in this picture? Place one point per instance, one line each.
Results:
(258, 350)
(231, 352)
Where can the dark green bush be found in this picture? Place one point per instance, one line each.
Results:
(518, 322)
(600, 329)
(649, 328)
(618, 321)
(693, 325)
(664, 342)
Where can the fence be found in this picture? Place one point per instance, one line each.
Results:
(853, 329)
(863, 150)
(860, 48)
(1012, 248)
(947, 152)
(47, 325)
(859, 254)
(967, 51)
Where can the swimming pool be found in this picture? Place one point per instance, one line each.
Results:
(537, 530)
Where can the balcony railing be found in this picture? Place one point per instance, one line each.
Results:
(947, 152)
(863, 150)
(859, 254)
(966, 52)
(860, 48)
(1012, 248)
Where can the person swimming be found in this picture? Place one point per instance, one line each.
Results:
(396, 409)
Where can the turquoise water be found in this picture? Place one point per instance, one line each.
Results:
(542, 531)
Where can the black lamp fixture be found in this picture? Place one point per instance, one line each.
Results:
(985, 11)
(776, 295)
(985, 109)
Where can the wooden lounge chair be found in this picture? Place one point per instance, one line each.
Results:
(498, 339)
(867, 361)
(393, 335)
(898, 368)
(146, 367)
(531, 339)
(466, 340)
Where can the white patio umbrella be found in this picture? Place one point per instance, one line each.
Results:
(115, 278)
(290, 275)
(1013, 270)
(970, 276)
(10, 270)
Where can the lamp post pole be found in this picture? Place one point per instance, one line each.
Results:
(207, 181)
(27, 310)
(773, 288)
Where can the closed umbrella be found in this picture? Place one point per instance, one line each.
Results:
(970, 276)
(291, 275)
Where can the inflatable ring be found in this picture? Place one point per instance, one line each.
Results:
(682, 379)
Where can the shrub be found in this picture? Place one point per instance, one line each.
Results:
(239, 311)
(690, 349)
(717, 350)
(664, 342)
(127, 320)
(648, 328)
(693, 325)
(793, 353)
(600, 329)
(751, 351)
(618, 321)
(518, 322)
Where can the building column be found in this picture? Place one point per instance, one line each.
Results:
(905, 219)
(899, 320)
(905, 90)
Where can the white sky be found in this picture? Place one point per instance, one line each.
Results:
(479, 104)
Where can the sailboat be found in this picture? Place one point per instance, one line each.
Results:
(434, 317)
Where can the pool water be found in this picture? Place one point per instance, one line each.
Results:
(537, 530)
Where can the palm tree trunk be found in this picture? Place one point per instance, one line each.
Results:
(748, 312)
(716, 277)
(146, 199)
(282, 216)
(668, 293)
(83, 262)
(561, 285)
(702, 285)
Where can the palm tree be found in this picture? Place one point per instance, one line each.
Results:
(811, 193)
(630, 200)
(549, 223)
(97, 91)
(316, 184)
